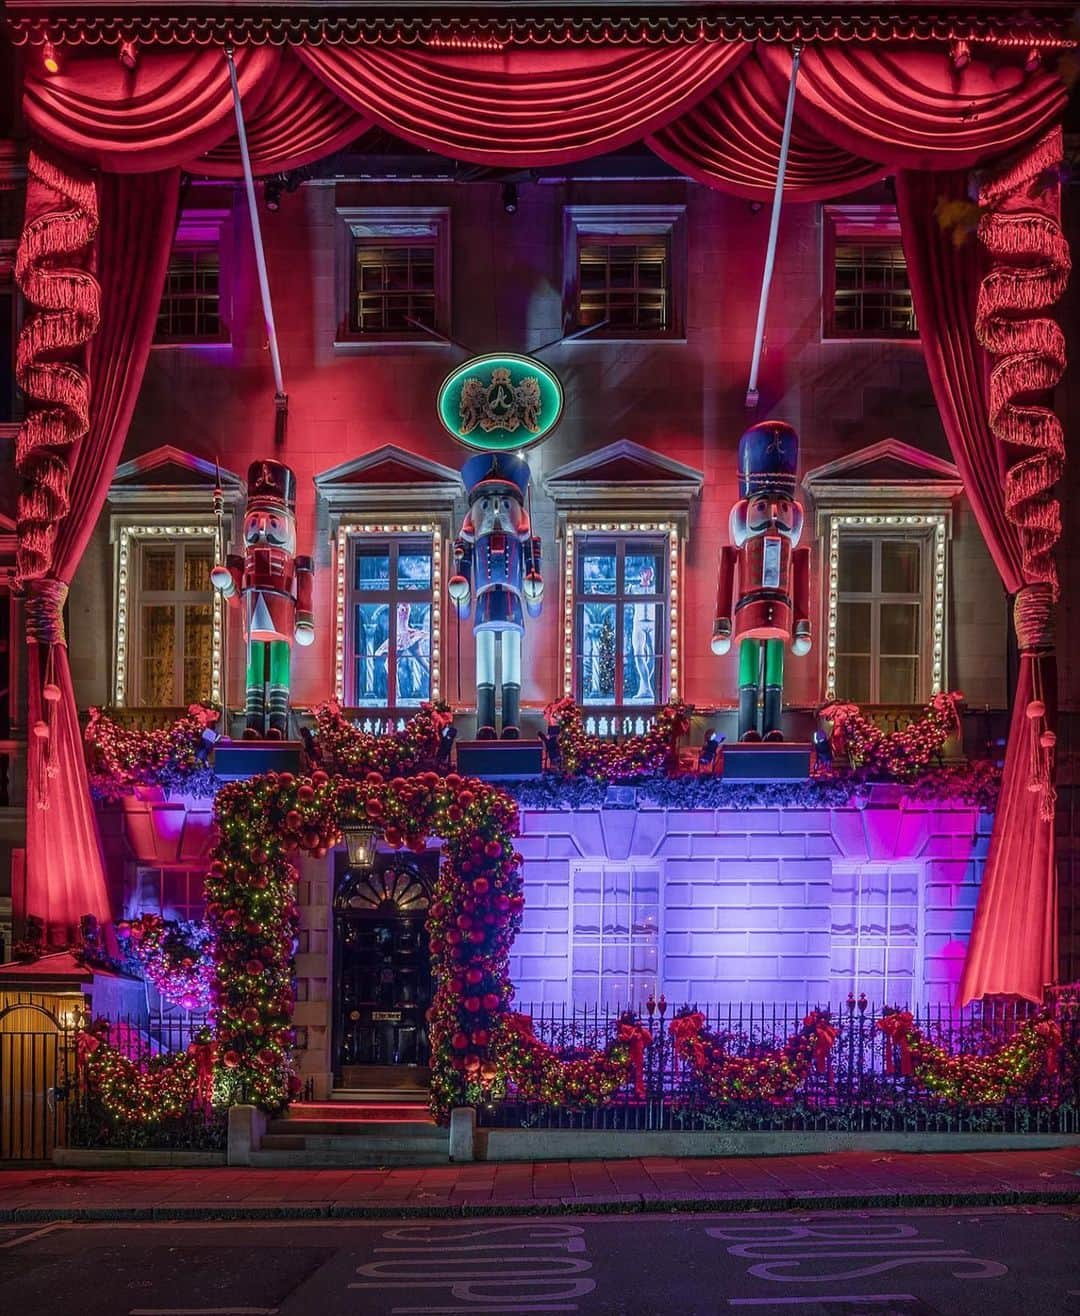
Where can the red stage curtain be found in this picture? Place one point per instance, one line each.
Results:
(298, 120)
(731, 141)
(908, 108)
(1013, 948)
(65, 873)
(525, 106)
(172, 107)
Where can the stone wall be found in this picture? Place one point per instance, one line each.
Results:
(757, 904)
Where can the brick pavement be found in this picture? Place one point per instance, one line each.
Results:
(839, 1180)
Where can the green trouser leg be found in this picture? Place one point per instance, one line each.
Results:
(275, 701)
(749, 681)
(774, 689)
(279, 689)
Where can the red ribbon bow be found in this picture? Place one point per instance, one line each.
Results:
(1049, 1033)
(637, 1037)
(685, 1030)
(897, 1028)
(824, 1039)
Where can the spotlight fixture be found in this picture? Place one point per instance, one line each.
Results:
(447, 736)
(822, 748)
(272, 190)
(510, 198)
(129, 55)
(755, 207)
(49, 58)
(710, 749)
(960, 54)
(550, 739)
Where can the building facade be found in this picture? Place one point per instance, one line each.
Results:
(638, 288)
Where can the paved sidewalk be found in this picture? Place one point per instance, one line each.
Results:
(841, 1180)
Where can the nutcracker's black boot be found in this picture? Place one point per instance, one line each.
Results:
(485, 712)
(279, 713)
(748, 695)
(511, 706)
(772, 713)
(254, 714)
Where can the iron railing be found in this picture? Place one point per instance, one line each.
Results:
(858, 1089)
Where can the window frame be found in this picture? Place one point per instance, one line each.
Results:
(932, 529)
(594, 225)
(392, 226)
(127, 672)
(863, 225)
(202, 230)
(187, 872)
(621, 543)
(392, 596)
(880, 991)
(350, 534)
(645, 530)
(605, 867)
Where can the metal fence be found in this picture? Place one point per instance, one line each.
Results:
(858, 1089)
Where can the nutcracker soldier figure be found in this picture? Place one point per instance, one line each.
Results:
(497, 557)
(772, 604)
(274, 586)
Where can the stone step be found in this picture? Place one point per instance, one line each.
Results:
(291, 1127)
(358, 1112)
(383, 1143)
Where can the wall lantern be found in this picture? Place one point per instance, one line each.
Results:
(360, 842)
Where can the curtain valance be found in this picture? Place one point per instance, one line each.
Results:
(712, 108)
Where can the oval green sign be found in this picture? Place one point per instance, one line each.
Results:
(499, 403)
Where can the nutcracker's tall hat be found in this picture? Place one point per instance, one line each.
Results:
(271, 484)
(503, 471)
(768, 459)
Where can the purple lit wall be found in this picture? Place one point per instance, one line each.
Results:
(773, 905)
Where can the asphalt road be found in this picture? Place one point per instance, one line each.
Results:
(989, 1262)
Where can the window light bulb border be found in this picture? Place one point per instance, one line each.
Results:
(881, 521)
(352, 529)
(125, 601)
(668, 528)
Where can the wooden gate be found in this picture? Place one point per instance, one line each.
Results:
(36, 1058)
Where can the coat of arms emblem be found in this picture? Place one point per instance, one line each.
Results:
(500, 404)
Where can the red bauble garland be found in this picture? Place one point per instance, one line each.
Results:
(121, 757)
(176, 957)
(893, 755)
(537, 1072)
(472, 920)
(964, 1078)
(131, 1092)
(582, 754)
(349, 751)
(772, 1075)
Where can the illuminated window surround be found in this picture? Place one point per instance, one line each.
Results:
(124, 591)
(898, 521)
(573, 528)
(349, 529)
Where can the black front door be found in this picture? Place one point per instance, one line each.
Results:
(382, 969)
